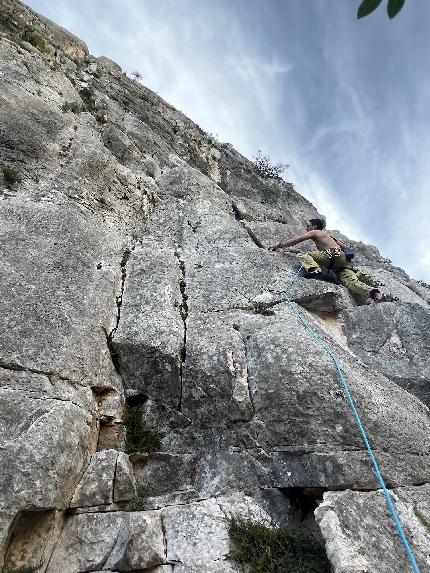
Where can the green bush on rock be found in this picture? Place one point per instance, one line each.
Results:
(139, 439)
(270, 549)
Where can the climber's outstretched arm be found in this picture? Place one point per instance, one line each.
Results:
(293, 241)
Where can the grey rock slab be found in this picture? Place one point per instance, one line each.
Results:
(59, 154)
(109, 541)
(193, 211)
(96, 485)
(344, 468)
(162, 419)
(149, 338)
(360, 534)
(111, 406)
(161, 473)
(57, 323)
(48, 431)
(125, 484)
(249, 507)
(272, 232)
(24, 17)
(197, 534)
(224, 277)
(215, 375)
(421, 289)
(171, 498)
(229, 469)
(320, 295)
(296, 391)
(391, 339)
(248, 210)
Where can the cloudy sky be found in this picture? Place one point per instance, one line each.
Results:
(344, 102)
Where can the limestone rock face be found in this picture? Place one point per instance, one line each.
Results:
(351, 549)
(115, 540)
(136, 279)
(390, 344)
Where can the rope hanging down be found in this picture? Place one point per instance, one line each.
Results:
(344, 383)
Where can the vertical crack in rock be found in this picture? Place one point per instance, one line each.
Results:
(163, 530)
(251, 234)
(114, 479)
(183, 311)
(243, 377)
(124, 260)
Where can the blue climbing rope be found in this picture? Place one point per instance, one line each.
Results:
(344, 383)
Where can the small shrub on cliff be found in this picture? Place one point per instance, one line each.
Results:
(11, 176)
(89, 98)
(73, 106)
(139, 502)
(139, 439)
(389, 297)
(266, 168)
(136, 76)
(276, 550)
(38, 42)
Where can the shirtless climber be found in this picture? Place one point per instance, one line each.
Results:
(330, 256)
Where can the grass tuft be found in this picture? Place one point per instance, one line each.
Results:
(89, 98)
(38, 42)
(276, 550)
(11, 176)
(139, 502)
(139, 438)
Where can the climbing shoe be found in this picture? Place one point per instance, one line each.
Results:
(326, 276)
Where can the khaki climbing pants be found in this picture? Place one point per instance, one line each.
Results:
(341, 266)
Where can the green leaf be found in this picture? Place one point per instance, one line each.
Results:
(394, 7)
(366, 7)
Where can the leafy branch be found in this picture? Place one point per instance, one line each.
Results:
(369, 6)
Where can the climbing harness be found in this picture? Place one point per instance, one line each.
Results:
(345, 386)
